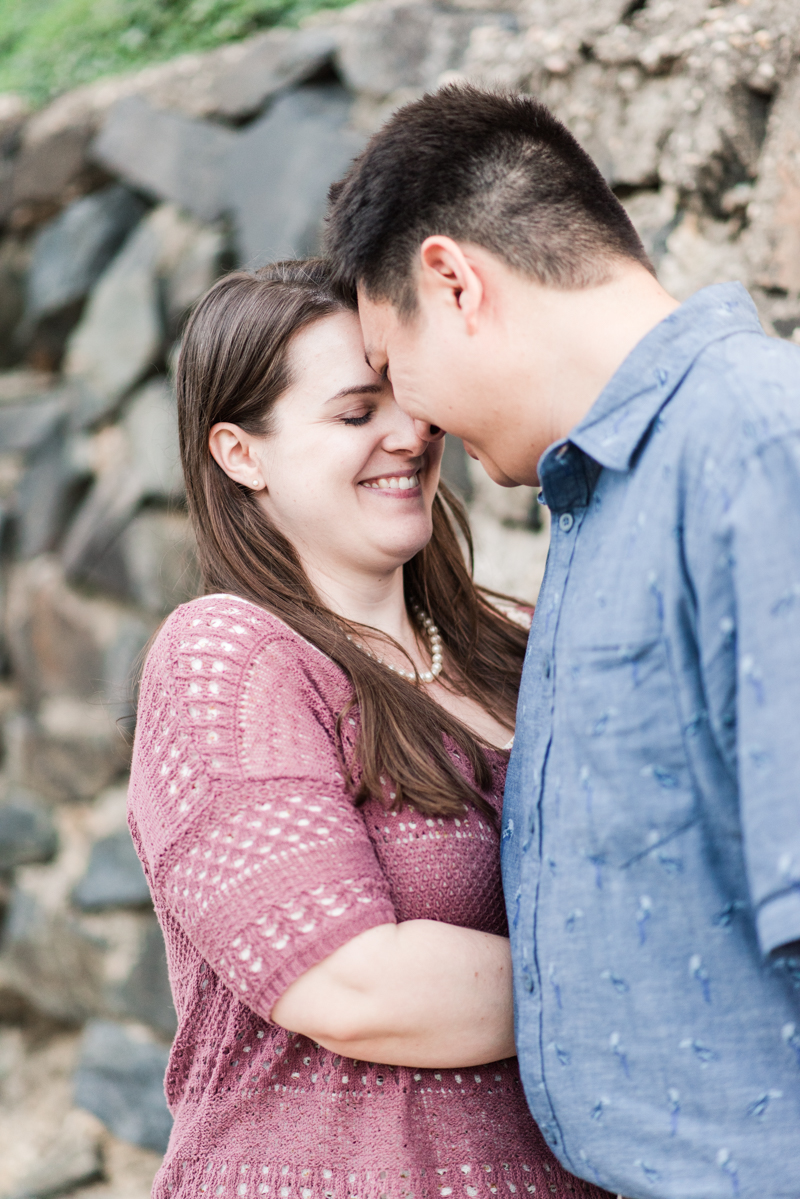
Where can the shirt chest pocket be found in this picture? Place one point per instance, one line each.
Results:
(632, 789)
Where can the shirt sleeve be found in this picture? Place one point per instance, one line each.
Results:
(253, 843)
(766, 569)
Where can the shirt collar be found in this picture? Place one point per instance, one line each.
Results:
(614, 426)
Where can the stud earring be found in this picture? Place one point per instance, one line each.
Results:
(256, 482)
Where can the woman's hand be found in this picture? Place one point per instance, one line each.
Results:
(420, 993)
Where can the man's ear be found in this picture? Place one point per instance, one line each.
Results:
(234, 451)
(449, 275)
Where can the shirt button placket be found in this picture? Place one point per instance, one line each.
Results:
(562, 547)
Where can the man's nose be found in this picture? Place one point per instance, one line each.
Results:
(428, 432)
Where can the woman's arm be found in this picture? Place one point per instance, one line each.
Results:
(420, 993)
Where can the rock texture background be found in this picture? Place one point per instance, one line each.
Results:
(119, 204)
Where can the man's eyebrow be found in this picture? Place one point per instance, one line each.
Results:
(358, 389)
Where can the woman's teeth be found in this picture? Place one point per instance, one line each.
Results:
(401, 482)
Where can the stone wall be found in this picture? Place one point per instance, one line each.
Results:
(119, 204)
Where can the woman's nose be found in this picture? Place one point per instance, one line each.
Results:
(407, 436)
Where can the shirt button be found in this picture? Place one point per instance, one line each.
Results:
(566, 521)
(546, 668)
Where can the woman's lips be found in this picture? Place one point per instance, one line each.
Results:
(397, 487)
(392, 483)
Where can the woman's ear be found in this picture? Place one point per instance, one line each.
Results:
(235, 452)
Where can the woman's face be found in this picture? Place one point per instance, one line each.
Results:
(348, 481)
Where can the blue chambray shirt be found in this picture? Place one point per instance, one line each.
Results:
(651, 839)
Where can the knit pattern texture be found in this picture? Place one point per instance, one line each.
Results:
(260, 866)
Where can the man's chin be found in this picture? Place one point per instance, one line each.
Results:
(492, 469)
(498, 476)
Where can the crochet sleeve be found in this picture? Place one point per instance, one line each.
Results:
(250, 837)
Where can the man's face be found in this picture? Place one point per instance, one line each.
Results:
(443, 377)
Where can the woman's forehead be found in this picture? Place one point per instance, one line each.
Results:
(327, 359)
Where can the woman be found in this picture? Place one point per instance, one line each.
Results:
(317, 777)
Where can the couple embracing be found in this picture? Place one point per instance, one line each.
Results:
(341, 744)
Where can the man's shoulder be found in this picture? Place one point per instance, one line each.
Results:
(744, 386)
(737, 403)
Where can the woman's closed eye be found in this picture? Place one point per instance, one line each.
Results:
(361, 419)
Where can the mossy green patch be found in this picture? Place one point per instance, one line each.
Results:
(49, 46)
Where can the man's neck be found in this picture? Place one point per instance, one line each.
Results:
(582, 339)
(559, 349)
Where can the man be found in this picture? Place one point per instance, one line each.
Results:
(652, 827)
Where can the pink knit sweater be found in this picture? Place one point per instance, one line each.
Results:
(260, 866)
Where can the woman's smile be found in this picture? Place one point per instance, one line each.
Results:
(400, 485)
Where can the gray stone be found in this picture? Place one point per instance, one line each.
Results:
(71, 963)
(120, 334)
(148, 467)
(24, 386)
(700, 251)
(773, 240)
(6, 177)
(13, 111)
(71, 252)
(49, 172)
(153, 562)
(151, 425)
(27, 832)
(387, 47)
(57, 638)
(234, 82)
(655, 214)
(121, 1081)
(625, 131)
(25, 427)
(63, 643)
(168, 155)
(164, 268)
(193, 256)
(70, 752)
(280, 170)
(69, 1163)
(48, 493)
(45, 170)
(145, 994)
(114, 878)
(264, 65)
(47, 958)
(14, 260)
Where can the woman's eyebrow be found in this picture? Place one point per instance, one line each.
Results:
(358, 389)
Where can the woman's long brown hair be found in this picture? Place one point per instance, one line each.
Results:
(233, 367)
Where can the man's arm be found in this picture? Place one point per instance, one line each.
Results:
(420, 993)
(765, 561)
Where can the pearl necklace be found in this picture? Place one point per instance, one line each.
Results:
(437, 663)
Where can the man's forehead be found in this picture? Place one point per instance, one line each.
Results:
(375, 311)
(377, 320)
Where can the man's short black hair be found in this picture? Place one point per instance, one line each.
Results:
(493, 169)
